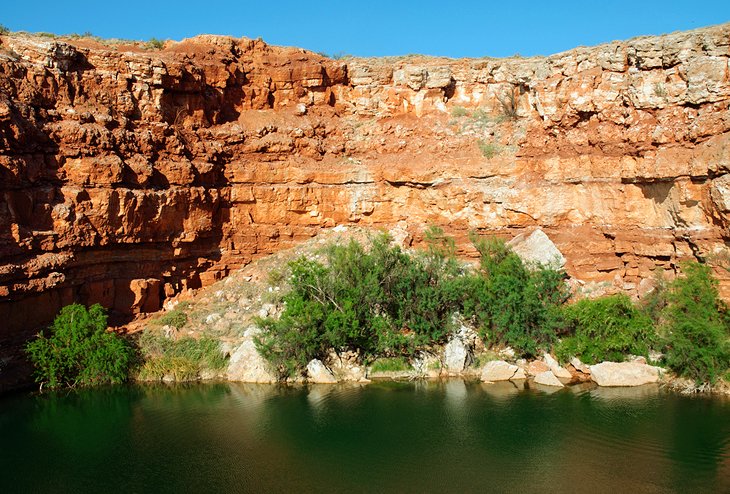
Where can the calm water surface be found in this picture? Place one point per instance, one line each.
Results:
(446, 436)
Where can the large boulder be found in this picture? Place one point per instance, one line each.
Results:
(556, 368)
(537, 248)
(317, 372)
(499, 370)
(624, 373)
(547, 378)
(246, 365)
(537, 367)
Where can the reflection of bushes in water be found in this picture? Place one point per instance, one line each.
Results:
(83, 420)
(182, 394)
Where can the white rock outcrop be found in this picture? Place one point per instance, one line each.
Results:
(317, 372)
(456, 355)
(246, 365)
(537, 248)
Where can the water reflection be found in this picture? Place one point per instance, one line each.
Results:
(421, 436)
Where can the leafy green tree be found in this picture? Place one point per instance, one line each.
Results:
(695, 330)
(379, 302)
(607, 328)
(513, 304)
(79, 351)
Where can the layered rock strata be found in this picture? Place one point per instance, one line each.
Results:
(128, 175)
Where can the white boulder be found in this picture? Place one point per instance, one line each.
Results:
(246, 365)
(558, 370)
(498, 370)
(537, 248)
(624, 373)
(317, 372)
(547, 378)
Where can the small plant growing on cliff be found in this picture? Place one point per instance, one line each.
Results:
(79, 351)
(508, 105)
(4, 30)
(696, 329)
(489, 149)
(659, 90)
(459, 111)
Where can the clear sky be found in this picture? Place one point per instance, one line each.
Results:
(375, 27)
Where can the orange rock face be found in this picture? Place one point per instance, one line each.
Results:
(129, 175)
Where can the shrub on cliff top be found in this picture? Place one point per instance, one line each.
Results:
(695, 328)
(79, 351)
(4, 30)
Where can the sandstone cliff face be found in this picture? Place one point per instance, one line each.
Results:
(129, 175)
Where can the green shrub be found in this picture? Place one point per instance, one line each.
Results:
(458, 112)
(508, 105)
(155, 44)
(183, 359)
(4, 30)
(608, 328)
(175, 318)
(393, 364)
(695, 329)
(489, 149)
(379, 302)
(79, 351)
(514, 305)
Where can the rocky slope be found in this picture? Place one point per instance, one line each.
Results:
(128, 175)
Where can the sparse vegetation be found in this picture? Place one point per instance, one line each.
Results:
(180, 359)
(393, 364)
(177, 318)
(155, 44)
(489, 149)
(459, 111)
(659, 90)
(4, 30)
(78, 350)
(508, 105)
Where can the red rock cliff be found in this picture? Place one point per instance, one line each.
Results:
(128, 175)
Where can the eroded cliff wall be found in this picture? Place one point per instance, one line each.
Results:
(128, 175)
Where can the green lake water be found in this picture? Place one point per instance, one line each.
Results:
(447, 436)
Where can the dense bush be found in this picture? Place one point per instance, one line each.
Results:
(79, 350)
(513, 304)
(379, 302)
(608, 328)
(695, 326)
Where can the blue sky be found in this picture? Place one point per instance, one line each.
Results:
(376, 27)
